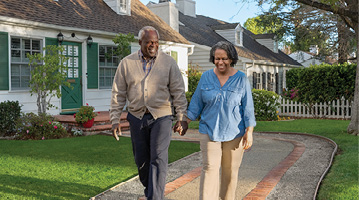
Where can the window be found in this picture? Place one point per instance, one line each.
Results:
(123, 6)
(256, 80)
(108, 65)
(20, 69)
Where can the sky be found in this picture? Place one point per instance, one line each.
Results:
(225, 10)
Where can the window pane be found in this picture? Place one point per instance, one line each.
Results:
(107, 81)
(15, 43)
(26, 44)
(102, 72)
(109, 61)
(24, 56)
(115, 61)
(25, 70)
(102, 61)
(15, 70)
(36, 45)
(15, 56)
(25, 81)
(102, 81)
(102, 50)
(108, 72)
(15, 82)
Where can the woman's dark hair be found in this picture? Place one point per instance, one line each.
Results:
(228, 48)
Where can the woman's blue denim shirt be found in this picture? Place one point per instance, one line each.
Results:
(225, 111)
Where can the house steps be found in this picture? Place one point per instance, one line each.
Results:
(102, 123)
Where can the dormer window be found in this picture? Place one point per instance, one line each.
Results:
(121, 7)
(239, 35)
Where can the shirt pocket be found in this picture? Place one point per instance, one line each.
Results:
(208, 93)
(234, 95)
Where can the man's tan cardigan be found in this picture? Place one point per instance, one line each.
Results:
(158, 92)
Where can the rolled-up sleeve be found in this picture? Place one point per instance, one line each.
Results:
(248, 106)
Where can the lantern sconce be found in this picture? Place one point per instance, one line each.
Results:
(60, 38)
(89, 41)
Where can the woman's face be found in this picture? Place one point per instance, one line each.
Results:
(221, 61)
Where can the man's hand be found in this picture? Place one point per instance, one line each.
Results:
(116, 131)
(248, 138)
(181, 127)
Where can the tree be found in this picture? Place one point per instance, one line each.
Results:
(346, 10)
(47, 75)
(123, 43)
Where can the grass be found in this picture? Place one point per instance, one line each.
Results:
(342, 180)
(70, 168)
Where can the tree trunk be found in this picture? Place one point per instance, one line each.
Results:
(353, 127)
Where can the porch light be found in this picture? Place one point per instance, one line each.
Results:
(89, 41)
(60, 38)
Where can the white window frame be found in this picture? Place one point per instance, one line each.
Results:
(24, 71)
(108, 68)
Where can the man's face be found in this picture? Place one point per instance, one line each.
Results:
(149, 44)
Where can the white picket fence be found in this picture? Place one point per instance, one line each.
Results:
(339, 109)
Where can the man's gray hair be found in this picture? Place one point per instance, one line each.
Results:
(141, 33)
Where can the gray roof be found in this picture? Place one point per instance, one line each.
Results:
(88, 15)
(201, 30)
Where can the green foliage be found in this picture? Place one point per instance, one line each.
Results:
(194, 75)
(10, 112)
(123, 43)
(36, 127)
(323, 83)
(85, 114)
(265, 24)
(47, 75)
(266, 104)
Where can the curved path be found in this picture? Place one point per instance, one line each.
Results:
(278, 166)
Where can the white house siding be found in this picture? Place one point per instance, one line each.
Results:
(200, 57)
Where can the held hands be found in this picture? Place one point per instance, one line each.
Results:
(181, 127)
(116, 131)
(248, 138)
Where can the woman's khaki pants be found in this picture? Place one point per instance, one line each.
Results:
(226, 156)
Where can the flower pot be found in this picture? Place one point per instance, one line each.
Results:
(89, 123)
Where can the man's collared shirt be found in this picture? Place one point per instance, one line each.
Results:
(146, 64)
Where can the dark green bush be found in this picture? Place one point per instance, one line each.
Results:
(194, 75)
(37, 127)
(266, 105)
(323, 83)
(10, 112)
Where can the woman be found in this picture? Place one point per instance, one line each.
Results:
(224, 101)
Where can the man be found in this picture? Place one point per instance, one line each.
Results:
(152, 82)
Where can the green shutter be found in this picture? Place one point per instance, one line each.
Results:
(92, 66)
(51, 41)
(4, 61)
(174, 55)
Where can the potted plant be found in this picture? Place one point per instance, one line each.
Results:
(85, 116)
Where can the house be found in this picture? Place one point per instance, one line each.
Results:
(259, 56)
(307, 58)
(85, 29)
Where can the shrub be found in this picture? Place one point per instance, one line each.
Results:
(10, 112)
(266, 104)
(194, 75)
(85, 114)
(36, 127)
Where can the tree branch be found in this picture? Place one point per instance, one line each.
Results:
(340, 11)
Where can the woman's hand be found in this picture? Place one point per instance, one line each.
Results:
(248, 138)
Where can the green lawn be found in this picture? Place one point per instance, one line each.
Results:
(342, 181)
(71, 168)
